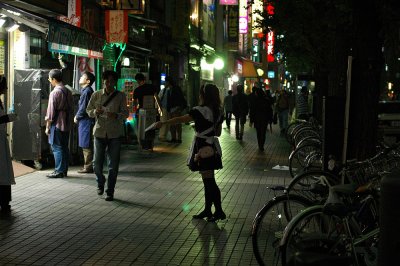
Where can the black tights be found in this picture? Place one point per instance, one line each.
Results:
(212, 192)
(5, 196)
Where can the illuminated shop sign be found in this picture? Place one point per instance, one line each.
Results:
(243, 25)
(228, 2)
(257, 8)
(270, 46)
(256, 50)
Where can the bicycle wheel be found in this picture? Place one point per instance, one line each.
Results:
(298, 162)
(313, 185)
(269, 223)
(317, 237)
(290, 130)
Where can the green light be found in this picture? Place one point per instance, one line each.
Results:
(122, 47)
(186, 207)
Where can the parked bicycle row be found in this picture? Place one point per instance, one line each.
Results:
(323, 217)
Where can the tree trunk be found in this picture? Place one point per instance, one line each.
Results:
(367, 66)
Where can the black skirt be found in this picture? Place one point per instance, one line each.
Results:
(211, 163)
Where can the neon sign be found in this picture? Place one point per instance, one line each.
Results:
(270, 46)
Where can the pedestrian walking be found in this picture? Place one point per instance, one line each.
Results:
(240, 108)
(260, 115)
(6, 170)
(85, 123)
(282, 109)
(205, 153)
(302, 109)
(59, 119)
(228, 109)
(108, 107)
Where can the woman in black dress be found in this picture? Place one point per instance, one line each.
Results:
(205, 153)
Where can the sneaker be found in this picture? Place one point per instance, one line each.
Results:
(100, 191)
(55, 175)
(110, 198)
(85, 171)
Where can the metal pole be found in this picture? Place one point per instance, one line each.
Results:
(347, 108)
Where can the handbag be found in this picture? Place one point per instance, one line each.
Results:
(204, 152)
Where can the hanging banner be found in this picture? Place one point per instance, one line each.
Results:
(74, 13)
(116, 26)
(233, 24)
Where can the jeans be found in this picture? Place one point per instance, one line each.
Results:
(111, 148)
(228, 118)
(239, 126)
(60, 150)
(283, 117)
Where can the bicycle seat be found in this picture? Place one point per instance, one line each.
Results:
(306, 258)
(334, 205)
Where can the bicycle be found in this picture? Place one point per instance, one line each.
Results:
(344, 231)
(269, 223)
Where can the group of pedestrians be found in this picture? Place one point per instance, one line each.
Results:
(258, 106)
(102, 112)
(263, 110)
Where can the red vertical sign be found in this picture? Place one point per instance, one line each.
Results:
(270, 46)
(270, 36)
(116, 26)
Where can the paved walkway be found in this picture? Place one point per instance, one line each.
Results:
(64, 222)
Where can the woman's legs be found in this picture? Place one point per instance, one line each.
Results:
(213, 195)
(5, 198)
(206, 213)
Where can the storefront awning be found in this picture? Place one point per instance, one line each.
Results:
(65, 38)
(62, 37)
(246, 68)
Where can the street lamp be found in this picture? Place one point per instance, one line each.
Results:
(260, 72)
(235, 78)
(219, 63)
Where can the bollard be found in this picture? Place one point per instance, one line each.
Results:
(389, 237)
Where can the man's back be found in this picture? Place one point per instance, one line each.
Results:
(240, 104)
(142, 91)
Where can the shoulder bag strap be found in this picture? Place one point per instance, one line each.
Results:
(110, 98)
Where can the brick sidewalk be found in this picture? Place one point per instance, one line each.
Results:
(64, 222)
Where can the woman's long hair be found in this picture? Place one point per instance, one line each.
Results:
(210, 97)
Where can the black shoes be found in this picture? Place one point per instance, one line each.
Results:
(220, 215)
(55, 175)
(100, 191)
(5, 208)
(110, 198)
(203, 214)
